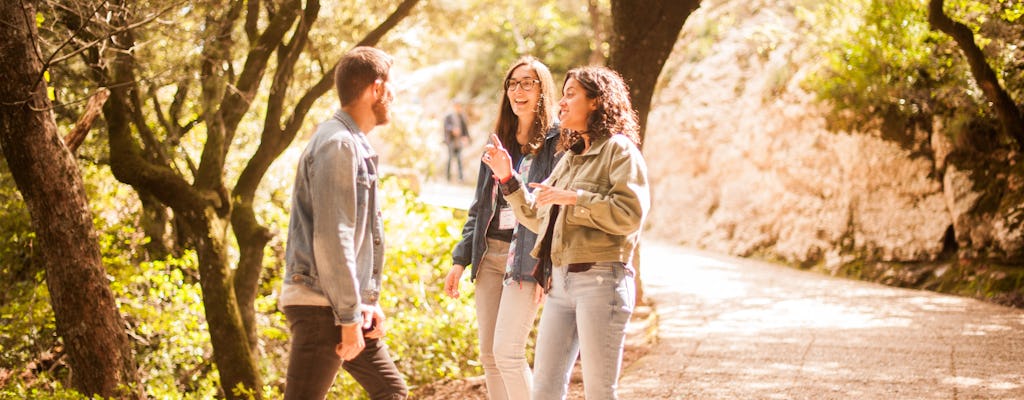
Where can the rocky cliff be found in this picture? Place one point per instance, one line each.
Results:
(741, 161)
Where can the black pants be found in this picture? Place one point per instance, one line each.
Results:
(313, 363)
(454, 155)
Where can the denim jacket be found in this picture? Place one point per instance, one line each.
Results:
(470, 250)
(336, 236)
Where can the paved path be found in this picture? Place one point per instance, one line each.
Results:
(732, 328)
(447, 194)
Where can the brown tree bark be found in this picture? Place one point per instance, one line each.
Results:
(48, 178)
(643, 34)
(77, 135)
(1010, 116)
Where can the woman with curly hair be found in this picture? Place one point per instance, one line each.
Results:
(588, 215)
(497, 249)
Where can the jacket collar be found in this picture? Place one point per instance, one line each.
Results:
(347, 120)
(553, 131)
(596, 146)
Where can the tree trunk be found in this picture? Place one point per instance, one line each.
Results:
(231, 348)
(154, 221)
(597, 25)
(207, 231)
(1010, 116)
(643, 34)
(45, 172)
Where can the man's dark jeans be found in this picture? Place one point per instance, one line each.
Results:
(313, 363)
(454, 155)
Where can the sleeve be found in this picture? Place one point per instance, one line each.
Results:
(522, 201)
(463, 252)
(621, 211)
(333, 190)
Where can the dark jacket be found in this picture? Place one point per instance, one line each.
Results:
(470, 250)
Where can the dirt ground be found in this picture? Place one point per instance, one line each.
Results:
(641, 334)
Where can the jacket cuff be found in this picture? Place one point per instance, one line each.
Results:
(511, 186)
(351, 316)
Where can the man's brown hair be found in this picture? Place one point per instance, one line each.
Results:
(359, 68)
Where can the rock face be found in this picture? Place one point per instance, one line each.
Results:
(741, 161)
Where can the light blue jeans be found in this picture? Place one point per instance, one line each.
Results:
(584, 312)
(505, 315)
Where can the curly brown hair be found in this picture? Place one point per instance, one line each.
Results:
(614, 114)
(508, 124)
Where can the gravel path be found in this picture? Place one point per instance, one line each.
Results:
(732, 328)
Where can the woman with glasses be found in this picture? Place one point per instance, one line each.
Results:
(496, 247)
(589, 213)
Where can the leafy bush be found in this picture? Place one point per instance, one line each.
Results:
(885, 68)
(433, 336)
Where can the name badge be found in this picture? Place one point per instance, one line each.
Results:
(506, 218)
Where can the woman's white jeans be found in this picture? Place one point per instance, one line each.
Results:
(584, 312)
(503, 344)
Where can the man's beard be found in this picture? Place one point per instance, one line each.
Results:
(381, 112)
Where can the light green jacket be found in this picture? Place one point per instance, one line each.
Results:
(613, 199)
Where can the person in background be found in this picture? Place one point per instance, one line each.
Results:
(493, 243)
(335, 249)
(456, 137)
(589, 214)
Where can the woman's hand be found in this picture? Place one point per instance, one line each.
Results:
(496, 157)
(545, 194)
(451, 282)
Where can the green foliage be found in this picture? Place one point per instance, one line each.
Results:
(883, 67)
(882, 62)
(27, 329)
(162, 302)
(433, 336)
(16, 237)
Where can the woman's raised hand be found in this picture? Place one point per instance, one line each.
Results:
(496, 157)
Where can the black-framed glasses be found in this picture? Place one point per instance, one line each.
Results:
(526, 84)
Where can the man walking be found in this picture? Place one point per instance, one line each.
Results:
(456, 136)
(335, 248)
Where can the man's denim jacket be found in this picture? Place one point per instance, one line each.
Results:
(470, 250)
(336, 236)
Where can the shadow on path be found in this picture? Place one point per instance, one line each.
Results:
(733, 328)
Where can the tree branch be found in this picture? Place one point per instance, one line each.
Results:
(76, 137)
(237, 101)
(1010, 116)
(54, 59)
(375, 35)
